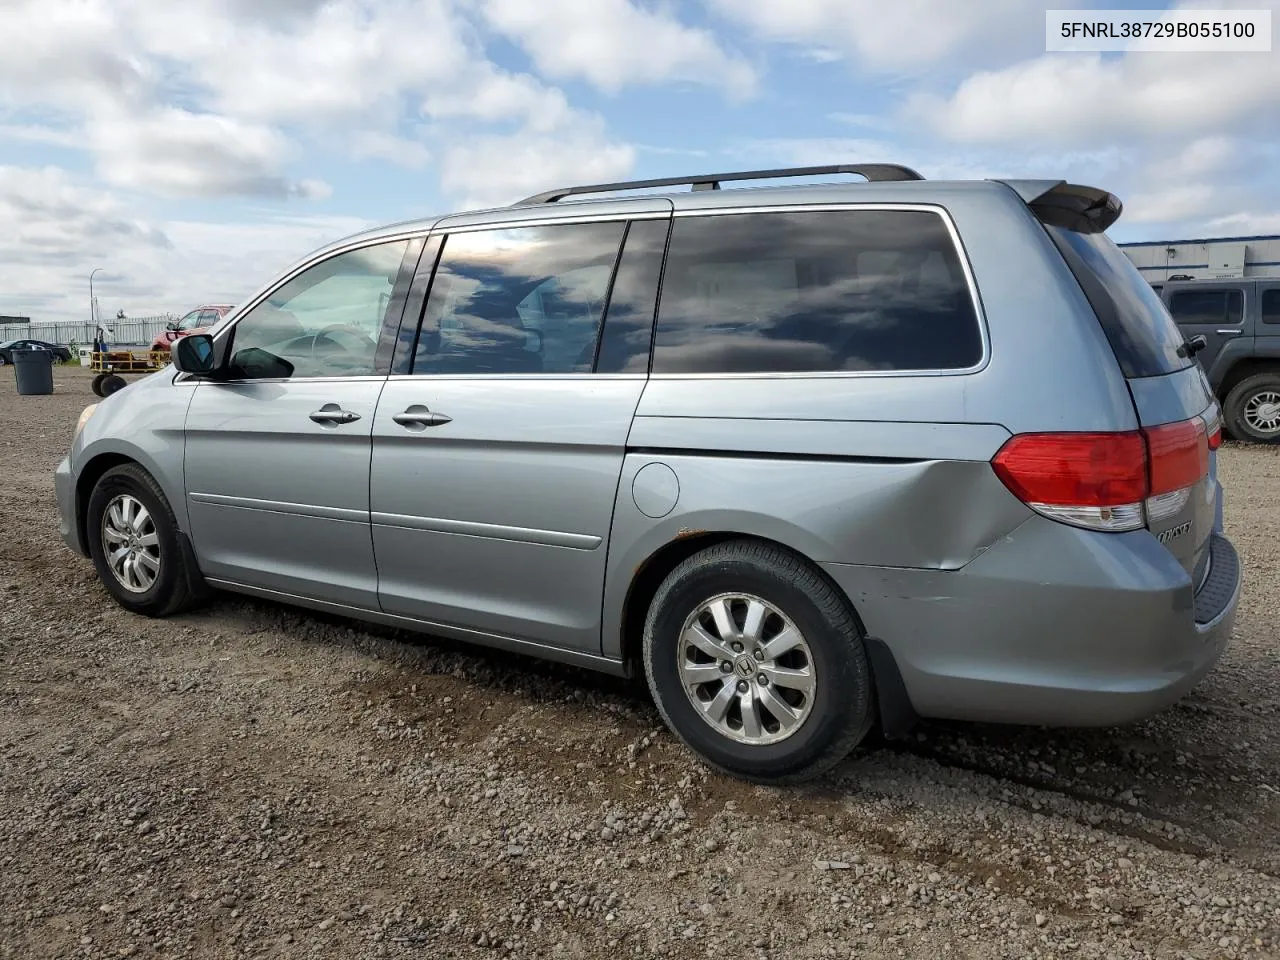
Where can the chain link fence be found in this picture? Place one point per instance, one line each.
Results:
(130, 332)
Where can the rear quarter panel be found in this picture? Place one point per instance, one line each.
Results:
(890, 505)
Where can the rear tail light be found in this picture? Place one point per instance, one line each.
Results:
(1107, 481)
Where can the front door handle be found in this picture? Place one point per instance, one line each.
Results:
(1228, 333)
(416, 416)
(332, 413)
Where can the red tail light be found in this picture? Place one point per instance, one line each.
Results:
(1179, 455)
(1106, 481)
(1075, 469)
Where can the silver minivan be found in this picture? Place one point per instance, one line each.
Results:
(809, 457)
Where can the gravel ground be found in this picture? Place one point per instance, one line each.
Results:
(252, 780)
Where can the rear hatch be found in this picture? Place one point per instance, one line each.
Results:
(1176, 409)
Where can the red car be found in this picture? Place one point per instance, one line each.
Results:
(198, 320)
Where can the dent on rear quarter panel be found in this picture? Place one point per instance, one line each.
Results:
(934, 514)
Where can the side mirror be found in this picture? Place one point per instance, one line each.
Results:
(1193, 345)
(171, 325)
(193, 354)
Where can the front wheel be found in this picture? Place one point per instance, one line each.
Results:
(1252, 408)
(133, 539)
(757, 663)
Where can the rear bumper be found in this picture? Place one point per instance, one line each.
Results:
(1052, 625)
(64, 486)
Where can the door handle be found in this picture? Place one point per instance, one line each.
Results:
(417, 416)
(1228, 333)
(334, 414)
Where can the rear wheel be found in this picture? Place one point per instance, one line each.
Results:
(756, 662)
(1252, 408)
(133, 539)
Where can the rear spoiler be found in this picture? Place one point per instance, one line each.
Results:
(1070, 205)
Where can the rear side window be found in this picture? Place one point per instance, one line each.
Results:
(848, 290)
(1271, 306)
(518, 300)
(1207, 306)
(1143, 336)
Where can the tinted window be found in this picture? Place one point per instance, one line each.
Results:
(1207, 306)
(628, 324)
(1271, 306)
(1143, 336)
(324, 322)
(844, 290)
(518, 300)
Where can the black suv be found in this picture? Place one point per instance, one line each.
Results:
(1240, 322)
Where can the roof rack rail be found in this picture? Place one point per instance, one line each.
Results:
(711, 181)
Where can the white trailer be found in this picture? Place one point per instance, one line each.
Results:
(1224, 258)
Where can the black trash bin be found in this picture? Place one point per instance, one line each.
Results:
(33, 370)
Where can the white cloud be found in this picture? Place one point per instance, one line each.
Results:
(35, 133)
(892, 36)
(496, 170)
(1241, 224)
(68, 54)
(1171, 204)
(178, 153)
(1062, 98)
(489, 94)
(612, 43)
(350, 59)
(212, 98)
(1197, 133)
(58, 229)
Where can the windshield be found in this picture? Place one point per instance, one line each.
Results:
(1142, 334)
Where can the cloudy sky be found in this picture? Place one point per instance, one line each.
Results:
(191, 149)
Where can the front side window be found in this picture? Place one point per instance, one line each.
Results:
(518, 300)
(191, 321)
(1207, 306)
(849, 290)
(324, 322)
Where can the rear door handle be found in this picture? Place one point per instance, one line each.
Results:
(332, 413)
(417, 416)
(1228, 333)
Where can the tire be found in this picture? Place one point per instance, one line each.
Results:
(96, 384)
(1248, 408)
(828, 723)
(172, 586)
(111, 383)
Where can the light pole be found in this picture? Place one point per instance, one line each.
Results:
(93, 312)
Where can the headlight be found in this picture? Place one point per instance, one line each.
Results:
(84, 416)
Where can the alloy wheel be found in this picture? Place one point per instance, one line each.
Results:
(130, 543)
(747, 669)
